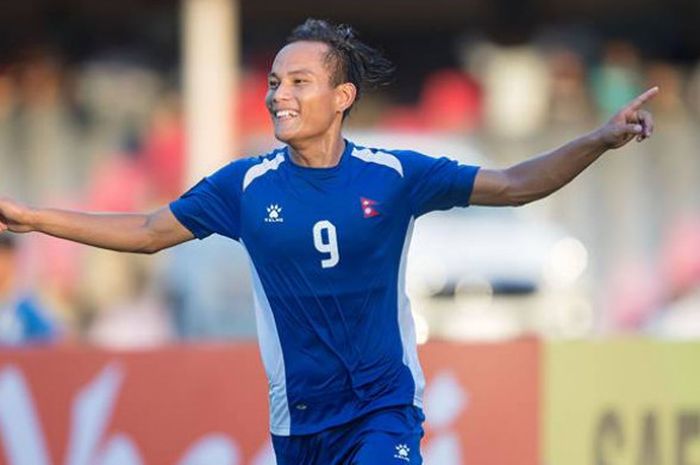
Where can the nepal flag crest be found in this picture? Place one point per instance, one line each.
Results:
(368, 207)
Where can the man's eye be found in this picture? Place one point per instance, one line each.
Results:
(300, 81)
(272, 84)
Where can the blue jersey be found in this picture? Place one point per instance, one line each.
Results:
(328, 252)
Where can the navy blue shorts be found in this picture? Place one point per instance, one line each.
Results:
(390, 436)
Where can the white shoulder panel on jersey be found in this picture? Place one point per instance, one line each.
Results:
(381, 158)
(260, 169)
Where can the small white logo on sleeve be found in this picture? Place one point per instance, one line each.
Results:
(274, 214)
(402, 451)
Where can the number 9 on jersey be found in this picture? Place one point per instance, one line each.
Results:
(328, 246)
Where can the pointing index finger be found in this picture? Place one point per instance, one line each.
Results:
(643, 98)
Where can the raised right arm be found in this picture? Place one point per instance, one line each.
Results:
(123, 232)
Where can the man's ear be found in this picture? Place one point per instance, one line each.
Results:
(345, 95)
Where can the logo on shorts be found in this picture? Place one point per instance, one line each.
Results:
(402, 451)
(274, 214)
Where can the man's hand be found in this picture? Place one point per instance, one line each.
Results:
(538, 177)
(629, 123)
(14, 216)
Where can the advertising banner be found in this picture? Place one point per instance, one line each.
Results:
(179, 406)
(207, 405)
(482, 403)
(632, 402)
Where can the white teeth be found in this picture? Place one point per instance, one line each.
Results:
(286, 113)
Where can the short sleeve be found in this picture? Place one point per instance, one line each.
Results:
(437, 183)
(213, 205)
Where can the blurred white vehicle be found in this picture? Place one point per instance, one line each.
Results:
(482, 273)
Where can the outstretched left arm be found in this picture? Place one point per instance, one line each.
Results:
(540, 176)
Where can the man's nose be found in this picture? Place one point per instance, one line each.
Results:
(281, 93)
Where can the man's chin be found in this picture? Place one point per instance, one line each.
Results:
(286, 137)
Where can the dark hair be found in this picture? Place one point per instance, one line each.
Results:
(350, 59)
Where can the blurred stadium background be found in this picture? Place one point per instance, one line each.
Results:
(560, 332)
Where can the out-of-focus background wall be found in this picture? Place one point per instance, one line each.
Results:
(94, 98)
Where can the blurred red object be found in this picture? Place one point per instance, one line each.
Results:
(118, 184)
(253, 117)
(164, 154)
(635, 294)
(680, 256)
(451, 101)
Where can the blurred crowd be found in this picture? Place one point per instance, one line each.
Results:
(107, 134)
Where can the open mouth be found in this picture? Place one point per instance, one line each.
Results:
(285, 115)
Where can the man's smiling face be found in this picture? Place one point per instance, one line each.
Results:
(302, 99)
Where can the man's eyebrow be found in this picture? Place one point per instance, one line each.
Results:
(301, 71)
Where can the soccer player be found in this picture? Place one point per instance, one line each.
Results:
(326, 224)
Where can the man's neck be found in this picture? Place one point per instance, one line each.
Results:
(324, 153)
